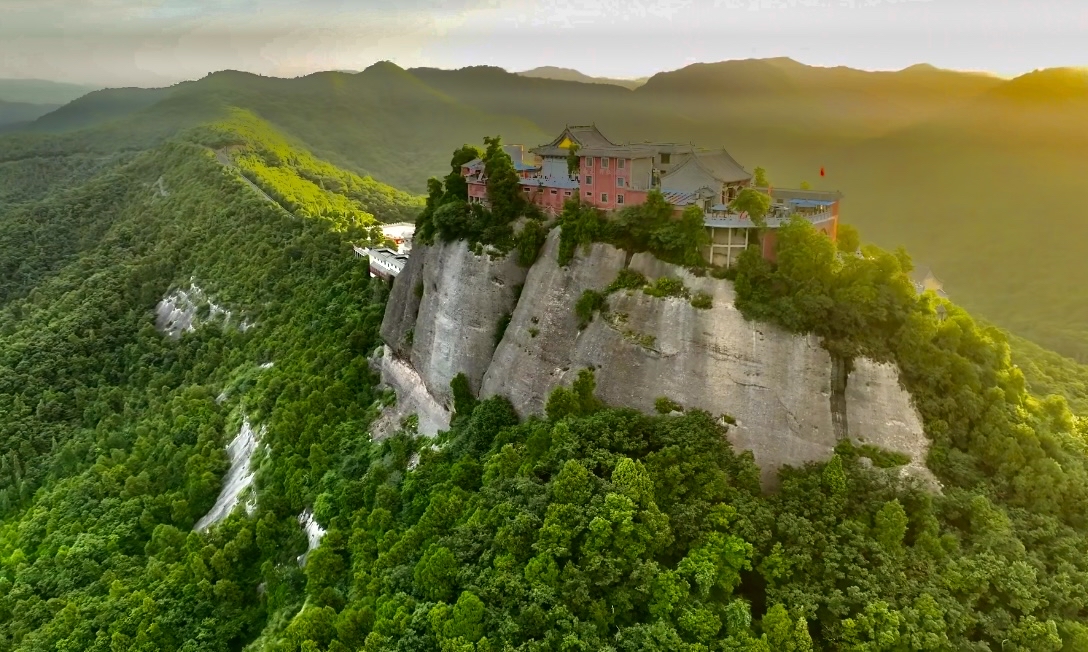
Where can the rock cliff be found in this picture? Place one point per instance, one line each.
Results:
(777, 386)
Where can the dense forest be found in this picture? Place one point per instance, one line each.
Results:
(586, 527)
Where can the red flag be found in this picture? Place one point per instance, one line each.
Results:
(821, 172)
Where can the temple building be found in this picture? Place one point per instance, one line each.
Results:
(613, 176)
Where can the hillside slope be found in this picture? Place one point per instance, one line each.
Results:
(924, 156)
(40, 91)
(14, 112)
(191, 456)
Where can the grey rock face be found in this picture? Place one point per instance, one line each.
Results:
(537, 351)
(412, 398)
(776, 385)
(464, 296)
(403, 306)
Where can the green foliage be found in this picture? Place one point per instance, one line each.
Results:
(573, 161)
(702, 301)
(651, 226)
(592, 528)
(879, 457)
(754, 202)
(581, 225)
(759, 178)
(112, 435)
(464, 400)
(448, 216)
(665, 405)
(666, 286)
(848, 239)
(503, 186)
(627, 279)
(301, 183)
(589, 303)
(529, 242)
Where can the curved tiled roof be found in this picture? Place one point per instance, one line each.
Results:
(722, 166)
(585, 136)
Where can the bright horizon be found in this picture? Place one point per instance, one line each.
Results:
(160, 42)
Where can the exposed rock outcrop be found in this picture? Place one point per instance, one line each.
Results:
(181, 311)
(412, 398)
(776, 385)
(238, 478)
(463, 298)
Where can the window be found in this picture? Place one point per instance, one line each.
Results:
(604, 198)
(604, 162)
(566, 193)
(589, 194)
(589, 162)
(554, 191)
(589, 180)
(622, 163)
(664, 159)
(619, 182)
(619, 199)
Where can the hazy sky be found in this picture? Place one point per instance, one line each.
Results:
(149, 42)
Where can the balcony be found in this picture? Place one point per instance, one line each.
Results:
(720, 217)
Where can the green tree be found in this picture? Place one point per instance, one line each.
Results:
(753, 202)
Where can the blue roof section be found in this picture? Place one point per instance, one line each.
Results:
(678, 198)
(521, 167)
(551, 182)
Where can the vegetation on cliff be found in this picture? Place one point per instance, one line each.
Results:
(584, 528)
(650, 226)
(448, 216)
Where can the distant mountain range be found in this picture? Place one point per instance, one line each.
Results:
(22, 112)
(40, 91)
(24, 100)
(969, 171)
(569, 74)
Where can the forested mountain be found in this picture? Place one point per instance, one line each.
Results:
(586, 527)
(937, 160)
(14, 112)
(569, 74)
(40, 91)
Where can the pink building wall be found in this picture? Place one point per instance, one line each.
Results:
(603, 181)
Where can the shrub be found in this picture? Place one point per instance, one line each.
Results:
(529, 242)
(590, 302)
(719, 272)
(667, 287)
(463, 399)
(580, 225)
(702, 301)
(665, 405)
(627, 279)
(500, 328)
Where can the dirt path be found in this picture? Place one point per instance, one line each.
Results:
(226, 161)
